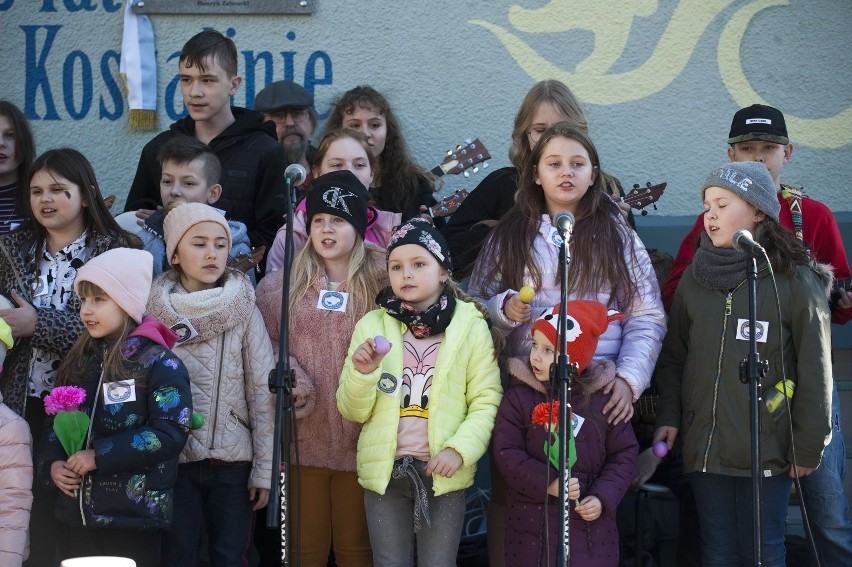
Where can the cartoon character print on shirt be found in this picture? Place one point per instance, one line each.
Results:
(417, 381)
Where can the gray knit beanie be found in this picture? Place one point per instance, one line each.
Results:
(749, 180)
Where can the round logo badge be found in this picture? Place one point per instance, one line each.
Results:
(118, 392)
(387, 383)
(758, 330)
(332, 300)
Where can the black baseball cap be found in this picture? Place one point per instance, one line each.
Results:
(758, 122)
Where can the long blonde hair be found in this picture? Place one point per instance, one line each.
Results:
(364, 279)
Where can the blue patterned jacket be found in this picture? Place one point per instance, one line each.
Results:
(136, 442)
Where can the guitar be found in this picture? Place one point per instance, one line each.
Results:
(640, 197)
(463, 158)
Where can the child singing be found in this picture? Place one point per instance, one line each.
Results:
(335, 280)
(422, 377)
(701, 395)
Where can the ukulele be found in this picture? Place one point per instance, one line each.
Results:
(640, 197)
(448, 205)
(246, 261)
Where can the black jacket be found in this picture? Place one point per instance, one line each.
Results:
(252, 173)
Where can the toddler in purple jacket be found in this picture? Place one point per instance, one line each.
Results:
(605, 453)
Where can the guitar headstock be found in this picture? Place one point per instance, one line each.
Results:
(462, 158)
(246, 261)
(640, 197)
(448, 205)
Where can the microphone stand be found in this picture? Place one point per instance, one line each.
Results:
(751, 371)
(565, 373)
(282, 380)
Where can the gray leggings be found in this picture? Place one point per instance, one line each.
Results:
(391, 521)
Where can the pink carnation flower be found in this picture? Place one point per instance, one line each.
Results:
(64, 398)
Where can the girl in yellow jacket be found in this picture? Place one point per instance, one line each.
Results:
(422, 377)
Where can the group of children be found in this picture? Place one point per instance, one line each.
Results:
(400, 373)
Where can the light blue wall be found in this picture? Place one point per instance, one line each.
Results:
(661, 80)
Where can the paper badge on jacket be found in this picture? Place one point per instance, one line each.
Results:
(184, 331)
(119, 392)
(576, 423)
(761, 330)
(389, 384)
(330, 300)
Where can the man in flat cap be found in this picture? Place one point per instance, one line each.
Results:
(290, 107)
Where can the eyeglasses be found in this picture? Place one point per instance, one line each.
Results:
(297, 114)
(535, 133)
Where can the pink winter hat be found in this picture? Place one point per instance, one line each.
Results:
(185, 216)
(125, 276)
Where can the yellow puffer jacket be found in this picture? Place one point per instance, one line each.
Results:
(464, 398)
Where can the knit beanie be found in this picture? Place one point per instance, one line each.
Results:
(341, 194)
(587, 320)
(421, 232)
(749, 180)
(185, 216)
(125, 276)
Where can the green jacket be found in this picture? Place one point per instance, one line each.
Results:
(464, 398)
(698, 373)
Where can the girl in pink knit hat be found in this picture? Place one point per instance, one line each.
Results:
(226, 467)
(117, 481)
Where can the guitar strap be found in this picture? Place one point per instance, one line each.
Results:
(793, 196)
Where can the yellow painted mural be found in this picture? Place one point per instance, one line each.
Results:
(613, 20)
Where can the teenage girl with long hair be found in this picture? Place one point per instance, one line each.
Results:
(547, 103)
(398, 185)
(17, 152)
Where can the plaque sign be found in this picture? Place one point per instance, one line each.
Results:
(224, 7)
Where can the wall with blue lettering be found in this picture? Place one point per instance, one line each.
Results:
(660, 80)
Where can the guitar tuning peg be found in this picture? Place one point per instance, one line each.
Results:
(485, 165)
(467, 174)
(475, 169)
(449, 152)
(636, 186)
(458, 147)
(644, 213)
(468, 141)
(648, 184)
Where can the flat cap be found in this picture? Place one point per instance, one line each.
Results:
(282, 94)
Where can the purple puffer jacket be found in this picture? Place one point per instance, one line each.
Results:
(606, 462)
(633, 344)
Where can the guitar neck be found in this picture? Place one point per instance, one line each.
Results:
(845, 284)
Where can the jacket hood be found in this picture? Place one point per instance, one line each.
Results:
(245, 121)
(825, 273)
(153, 329)
(520, 371)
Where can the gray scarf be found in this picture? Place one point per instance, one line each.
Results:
(719, 268)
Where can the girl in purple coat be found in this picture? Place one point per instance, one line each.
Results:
(606, 454)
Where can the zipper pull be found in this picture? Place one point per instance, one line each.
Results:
(728, 301)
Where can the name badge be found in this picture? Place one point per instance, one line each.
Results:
(577, 423)
(332, 300)
(119, 392)
(554, 237)
(388, 384)
(40, 286)
(184, 331)
(761, 330)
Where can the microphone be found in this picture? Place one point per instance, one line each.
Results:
(295, 175)
(564, 221)
(744, 242)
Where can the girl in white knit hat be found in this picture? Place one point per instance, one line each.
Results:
(117, 490)
(226, 467)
